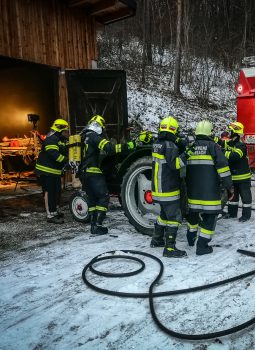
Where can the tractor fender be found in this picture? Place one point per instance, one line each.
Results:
(140, 152)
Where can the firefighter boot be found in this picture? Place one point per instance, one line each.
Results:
(246, 213)
(158, 236)
(232, 210)
(191, 237)
(170, 250)
(203, 247)
(53, 218)
(97, 227)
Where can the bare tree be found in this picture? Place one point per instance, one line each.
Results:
(177, 68)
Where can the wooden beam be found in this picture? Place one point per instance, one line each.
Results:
(101, 6)
(115, 16)
(73, 3)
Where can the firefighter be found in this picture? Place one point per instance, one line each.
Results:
(236, 153)
(49, 166)
(206, 169)
(166, 166)
(92, 178)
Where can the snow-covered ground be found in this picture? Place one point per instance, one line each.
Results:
(45, 304)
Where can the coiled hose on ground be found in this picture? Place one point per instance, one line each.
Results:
(151, 295)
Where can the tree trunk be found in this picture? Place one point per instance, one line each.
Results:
(177, 68)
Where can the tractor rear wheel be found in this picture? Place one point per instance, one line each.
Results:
(136, 196)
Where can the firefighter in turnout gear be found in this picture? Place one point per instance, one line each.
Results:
(206, 169)
(92, 178)
(49, 166)
(166, 164)
(236, 153)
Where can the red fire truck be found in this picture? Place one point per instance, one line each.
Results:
(246, 105)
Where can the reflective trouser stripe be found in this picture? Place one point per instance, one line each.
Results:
(233, 203)
(92, 209)
(93, 170)
(246, 205)
(163, 222)
(192, 228)
(98, 207)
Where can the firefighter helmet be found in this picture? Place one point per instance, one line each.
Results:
(60, 125)
(237, 128)
(98, 119)
(204, 127)
(169, 124)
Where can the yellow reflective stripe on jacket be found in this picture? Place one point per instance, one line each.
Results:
(198, 201)
(223, 172)
(227, 154)
(60, 158)
(47, 147)
(85, 149)
(93, 170)
(60, 143)
(192, 227)
(167, 222)
(98, 207)
(102, 143)
(239, 151)
(157, 155)
(200, 157)
(156, 176)
(241, 177)
(177, 163)
(48, 170)
(166, 194)
(118, 148)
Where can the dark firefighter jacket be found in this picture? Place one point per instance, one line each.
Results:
(236, 153)
(166, 165)
(93, 145)
(205, 169)
(53, 155)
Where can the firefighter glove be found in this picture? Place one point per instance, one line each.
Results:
(189, 151)
(131, 145)
(145, 137)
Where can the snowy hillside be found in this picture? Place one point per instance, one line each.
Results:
(153, 100)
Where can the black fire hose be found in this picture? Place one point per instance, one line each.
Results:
(152, 294)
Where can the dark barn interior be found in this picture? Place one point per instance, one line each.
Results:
(26, 88)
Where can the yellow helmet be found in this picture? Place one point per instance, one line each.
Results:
(98, 119)
(237, 128)
(204, 127)
(169, 124)
(60, 125)
(145, 136)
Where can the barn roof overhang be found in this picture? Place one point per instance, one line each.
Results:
(106, 11)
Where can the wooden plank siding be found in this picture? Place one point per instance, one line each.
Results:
(47, 32)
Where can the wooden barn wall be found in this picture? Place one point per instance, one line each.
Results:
(47, 32)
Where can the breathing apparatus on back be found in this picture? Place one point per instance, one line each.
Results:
(96, 124)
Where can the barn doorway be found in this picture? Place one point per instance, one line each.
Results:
(25, 88)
